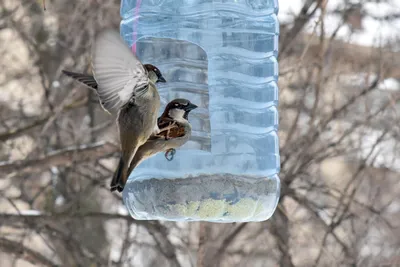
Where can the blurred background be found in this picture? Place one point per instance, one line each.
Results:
(339, 138)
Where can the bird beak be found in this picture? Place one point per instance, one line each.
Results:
(161, 79)
(190, 107)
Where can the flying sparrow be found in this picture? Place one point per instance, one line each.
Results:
(127, 88)
(175, 131)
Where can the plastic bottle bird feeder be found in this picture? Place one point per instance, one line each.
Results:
(221, 55)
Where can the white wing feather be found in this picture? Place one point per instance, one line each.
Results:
(118, 72)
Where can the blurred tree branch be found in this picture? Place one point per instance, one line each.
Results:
(27, 254)
(301, 19)
(338, 128)
(63, 157)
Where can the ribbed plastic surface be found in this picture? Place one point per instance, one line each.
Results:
(221, 55)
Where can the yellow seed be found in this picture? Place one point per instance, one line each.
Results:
(215, 209)
(188, 210)
(211, 209)
(244, 208)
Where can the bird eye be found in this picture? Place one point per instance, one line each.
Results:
(176, 104)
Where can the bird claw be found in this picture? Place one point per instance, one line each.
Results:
(170, 153)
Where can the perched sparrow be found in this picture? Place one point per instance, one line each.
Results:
(127, 88)
(175, 131)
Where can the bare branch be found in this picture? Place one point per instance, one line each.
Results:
(164, 245)
(25, 253)
(201, 252)
(62, 157)
(226, 242)
(302, 18)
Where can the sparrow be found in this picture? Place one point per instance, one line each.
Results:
(175, 131)
(126, 88)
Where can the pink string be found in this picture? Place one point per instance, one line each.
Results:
(138, 3)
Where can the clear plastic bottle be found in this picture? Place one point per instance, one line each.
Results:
(221, 55)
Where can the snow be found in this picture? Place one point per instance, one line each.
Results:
(56, 84)
(60, 200)
(122, 210)
(376, 32)
(288, 9)
(30, 212)
(385, 153)
(393, 207)
(54, 170)
(389, 84)
(363, 79)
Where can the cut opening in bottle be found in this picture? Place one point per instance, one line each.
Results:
(185, 67)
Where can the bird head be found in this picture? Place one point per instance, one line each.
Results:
(179, 109)
(154, 73)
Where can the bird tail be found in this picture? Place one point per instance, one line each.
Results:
(120, 176)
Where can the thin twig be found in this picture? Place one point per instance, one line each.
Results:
(62, 157)
(25, 253)
(201, 251)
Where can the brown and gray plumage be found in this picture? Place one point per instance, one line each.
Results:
(175, 132)
(126, 88)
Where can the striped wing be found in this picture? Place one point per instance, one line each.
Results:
(86, 79)
(119, 74)
(175, 131)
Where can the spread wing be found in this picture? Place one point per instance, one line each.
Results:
(86, 79)
(119, 74)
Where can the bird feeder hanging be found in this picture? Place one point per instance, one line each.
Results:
(222, 56)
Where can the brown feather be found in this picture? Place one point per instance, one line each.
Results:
(174, 132)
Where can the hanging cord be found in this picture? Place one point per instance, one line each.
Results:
(135, 25)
